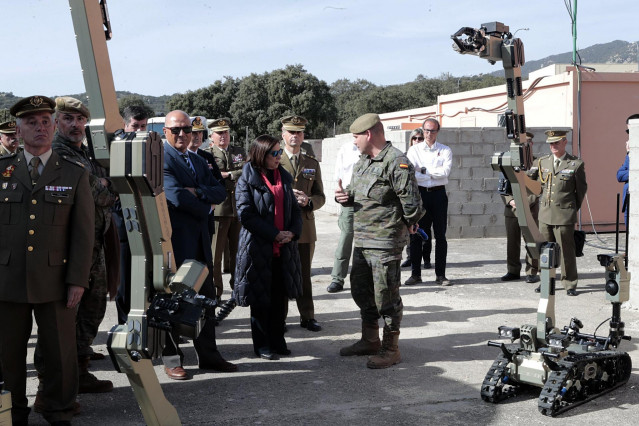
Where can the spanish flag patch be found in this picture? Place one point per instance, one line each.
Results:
(403, 165)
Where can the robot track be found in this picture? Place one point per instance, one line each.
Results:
(496, 385)
(581, 378)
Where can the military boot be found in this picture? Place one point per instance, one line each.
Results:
(389, 353)
(88, 382)
(369, 344)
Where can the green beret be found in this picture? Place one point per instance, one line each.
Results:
(8, 127)
(32, 104)
(553, 136)
(198, 125)
(296, 123)
(220, 124)
(365, 122)
(69, 104)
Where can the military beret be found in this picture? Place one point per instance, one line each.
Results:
(69, 104)
(198, 125)
(296, 123)
(220, 124)
(365, 122)
(8, 127)
(553, 136)
(31, 104)
(530, 135)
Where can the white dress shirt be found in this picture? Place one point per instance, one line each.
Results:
(432, 164)
(347, 156)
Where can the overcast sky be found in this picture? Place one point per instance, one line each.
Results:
(162, 47)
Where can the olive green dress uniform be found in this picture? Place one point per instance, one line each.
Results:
(8, 127)
(5, 152)
(563, 190)
(513, 236)
(308, 179)
(46, 241)
(227, 225)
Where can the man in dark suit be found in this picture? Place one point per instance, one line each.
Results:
(309, 192)
(191, 193)
(46, 244)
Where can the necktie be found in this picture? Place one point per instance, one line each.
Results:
(557, 161)
(294, 163)
(188, 163)
(34, 173)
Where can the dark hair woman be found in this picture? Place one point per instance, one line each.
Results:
(268, 270)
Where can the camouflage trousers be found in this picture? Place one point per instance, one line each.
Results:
(375, 280)
(92, 307)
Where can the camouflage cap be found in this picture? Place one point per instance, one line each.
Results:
(32, 104)
(197, 124)
(553, 136)
(296, 123)
(69, 104)
(364, 123)
(8, 127)
(220, 124)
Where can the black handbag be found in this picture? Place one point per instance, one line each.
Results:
(580, 240)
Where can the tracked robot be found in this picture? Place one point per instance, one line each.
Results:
(570, 367)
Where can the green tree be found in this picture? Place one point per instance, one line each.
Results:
(134, 100)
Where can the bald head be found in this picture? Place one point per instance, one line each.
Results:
(177, 129)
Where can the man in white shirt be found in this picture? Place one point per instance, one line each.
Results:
(347, 156)
(432, 161)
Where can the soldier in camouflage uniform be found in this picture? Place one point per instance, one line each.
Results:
(71, 117)
(387, 207)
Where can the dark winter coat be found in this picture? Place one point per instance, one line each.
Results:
(256, 212)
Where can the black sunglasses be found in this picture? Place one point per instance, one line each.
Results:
(415, 138)
(277, 153)
(177, 130)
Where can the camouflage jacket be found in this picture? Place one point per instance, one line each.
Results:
(386, 200)
(103, 196)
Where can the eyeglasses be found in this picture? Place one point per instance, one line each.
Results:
(177, 130)
(417, 139)
(277, 153)
(430, 131)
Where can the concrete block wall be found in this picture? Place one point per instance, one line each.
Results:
(475, 210)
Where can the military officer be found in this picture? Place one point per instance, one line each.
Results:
(8, 141)
(46, 242)
(387, 206)
(564, 186)
(230, 160)
(71, 118)
(309, 192)
(513, 234)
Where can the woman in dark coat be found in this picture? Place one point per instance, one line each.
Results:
(267, 273)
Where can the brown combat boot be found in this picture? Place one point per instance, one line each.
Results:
(389, 353)
(38, 405)
(369, 344)
(88, 382)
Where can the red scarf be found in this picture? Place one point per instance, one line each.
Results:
(278, 194)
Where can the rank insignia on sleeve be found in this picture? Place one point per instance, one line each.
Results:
(403, 165)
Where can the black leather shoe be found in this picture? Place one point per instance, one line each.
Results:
(335, 287)
(571, 292)
(269, 356)
(310, 325)
(532, 279)
(427, 265)
(510, 277)
(406, 263)
(283, 351)
(538, 289)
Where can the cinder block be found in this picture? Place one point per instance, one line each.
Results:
(494, 208)
(459, 197)
(481, 197)
(472, 232)
(473, 208)
(461, 173)
(495, 231)
(472, 184)
(483, 220)
(459, 220)
(448, 137)
(454, 208)
(453, 232)
(462, 149)
(484, 172)
(470, 161)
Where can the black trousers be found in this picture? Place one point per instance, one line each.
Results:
(436, 217)
(267, 322)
